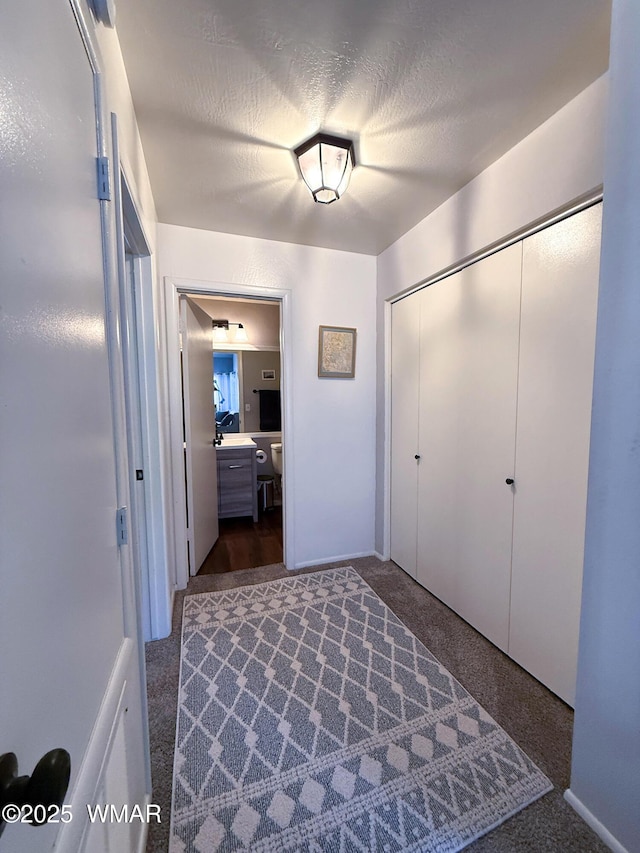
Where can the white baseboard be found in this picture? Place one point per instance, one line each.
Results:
(338, 559)
(142, 843)
(382, 557)
(592, 821)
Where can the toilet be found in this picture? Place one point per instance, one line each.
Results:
(276, 458)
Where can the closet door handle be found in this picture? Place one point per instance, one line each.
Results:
(235, 466)
(417, 456)
(509, 481)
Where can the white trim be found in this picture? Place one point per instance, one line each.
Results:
(220, 347)
(133, 404)
(381, 557)
(587, 816)
(159, 589)
(242, 416)
(148, 617)
(160, 605)
(142, 841)
(70, 836)
(386, 528)
(88, 38)
(340, 558)
(177, 489)
(172, 288)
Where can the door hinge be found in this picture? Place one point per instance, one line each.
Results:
(122, 531)
(104, 179)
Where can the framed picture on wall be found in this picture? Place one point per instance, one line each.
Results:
(336, 352)
(268, 374)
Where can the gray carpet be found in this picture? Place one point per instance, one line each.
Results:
(539, 722)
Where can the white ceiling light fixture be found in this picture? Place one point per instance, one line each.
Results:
(326, 163)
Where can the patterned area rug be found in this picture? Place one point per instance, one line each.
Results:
(311, 719)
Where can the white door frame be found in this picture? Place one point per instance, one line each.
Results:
(147, 527)
(91, 773)
(173, 288)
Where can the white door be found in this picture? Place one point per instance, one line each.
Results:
(557, 345)
(135, 439)
(468, 384)
(405, 379)
(200, 429)
(69, 668)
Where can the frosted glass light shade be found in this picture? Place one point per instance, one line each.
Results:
(240, 336)
(223, 334)
(326, 163)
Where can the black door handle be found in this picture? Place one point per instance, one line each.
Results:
(417, 456)
(509, 481)
(47, 785)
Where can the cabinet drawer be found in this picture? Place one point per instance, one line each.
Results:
(234, 460)
(235, 484)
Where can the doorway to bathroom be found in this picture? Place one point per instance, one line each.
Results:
(239, 432)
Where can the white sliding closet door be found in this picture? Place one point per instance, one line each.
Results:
(557, 344)
(405, 351)
(468, 385)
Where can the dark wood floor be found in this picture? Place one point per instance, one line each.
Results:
(245, 544)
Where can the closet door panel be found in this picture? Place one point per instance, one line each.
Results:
(559, 304)
(468, 384)
(405, 349)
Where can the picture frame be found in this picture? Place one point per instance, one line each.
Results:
(268, 375)
(336, 352)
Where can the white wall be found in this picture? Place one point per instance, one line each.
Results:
(331, 452)
(559, 162)
(605, 776)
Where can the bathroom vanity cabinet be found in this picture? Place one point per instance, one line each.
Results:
(237, 479)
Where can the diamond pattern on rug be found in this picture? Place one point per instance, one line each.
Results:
(311, 719)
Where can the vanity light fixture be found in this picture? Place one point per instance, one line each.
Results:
(326, 163)
(221, 332)
(241, 334)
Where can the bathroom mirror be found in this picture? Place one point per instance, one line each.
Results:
(236, 375)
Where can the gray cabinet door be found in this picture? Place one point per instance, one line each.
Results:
(236, 483)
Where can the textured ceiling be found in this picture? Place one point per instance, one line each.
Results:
(432, 91)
